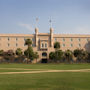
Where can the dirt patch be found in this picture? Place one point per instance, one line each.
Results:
(45, 71)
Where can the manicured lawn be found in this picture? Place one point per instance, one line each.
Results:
(47, 66)
(45, 81)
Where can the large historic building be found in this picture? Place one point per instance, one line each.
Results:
(43, 42)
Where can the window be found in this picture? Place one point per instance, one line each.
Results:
(71, 45)
(63, 45)
(16, 44)
(71, 39)
(79, 45)
(44, 54)
(87, 39)
(8, 38)
(45, 44)
(55, 39)
(8, 44)
(79, 39)
(32, 39)
(24, 39)
(33, 45)
(42, 45)
(24, 44)
(63, 39)
(16, 39)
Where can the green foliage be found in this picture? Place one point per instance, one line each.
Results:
(36, 56)
(29, 53)
(28, 42)
(52, 55)
(9, 56)
(80, 54)
(68, 55)
(56, 56)
(57, 45)
(19, 51)
(77, 52)
(1, 52)
(9, 53)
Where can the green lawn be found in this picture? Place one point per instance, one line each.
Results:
(47, 66)
(45, 81)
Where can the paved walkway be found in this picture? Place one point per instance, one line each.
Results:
(41, 71)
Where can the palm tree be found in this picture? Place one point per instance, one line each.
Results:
(58, 55)
(80, 54)
(19, 53)
(29, 54)
(28, 42)
(57, 45)
(68, 55)
(51, 55)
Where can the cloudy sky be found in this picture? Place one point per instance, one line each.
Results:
(68, 16)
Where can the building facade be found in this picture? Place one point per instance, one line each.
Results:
(43, 42)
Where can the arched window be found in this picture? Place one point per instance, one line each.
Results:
(42, 45)
(44, 54)
(45, 45)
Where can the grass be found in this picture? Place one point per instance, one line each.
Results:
(45, 81)
(47, 66)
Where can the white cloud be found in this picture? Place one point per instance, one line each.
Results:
(27, 26)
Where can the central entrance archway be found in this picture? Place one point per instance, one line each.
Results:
(44, 54)
(44, 57)
(44, 60)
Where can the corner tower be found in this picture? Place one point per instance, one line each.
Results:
(36, 37)
(51, 37)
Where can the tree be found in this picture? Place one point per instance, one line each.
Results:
(88, 58)
(68, 55)
(1, 52)
(80, 54)
(9, 55)
(57, 45)
(29, 53)
(19, 54)
(52, 55)
(1, 55)
(19, 51)
(58, 55)
(36, 56)
(28, 42)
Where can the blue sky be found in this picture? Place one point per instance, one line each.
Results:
(68, 16)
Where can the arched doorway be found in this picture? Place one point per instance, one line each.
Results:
(44, 57)
(44, 54)
(44, 60)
